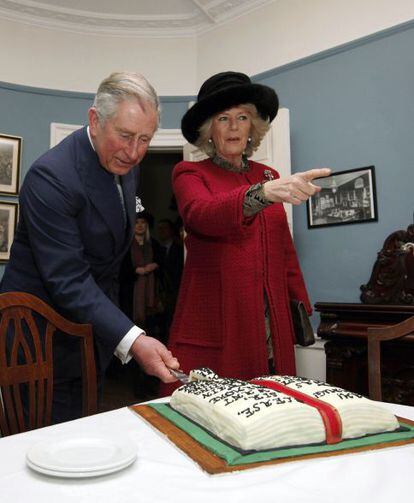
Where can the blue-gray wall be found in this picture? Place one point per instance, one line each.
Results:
(352, 107)
(349, 107)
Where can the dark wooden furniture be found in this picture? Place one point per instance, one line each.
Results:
(392, 277)
(26, 364)
(375, 337)
(387, 300)
(346, 329)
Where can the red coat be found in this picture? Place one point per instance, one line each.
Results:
(231, 260)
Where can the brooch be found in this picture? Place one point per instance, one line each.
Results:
(268, 174)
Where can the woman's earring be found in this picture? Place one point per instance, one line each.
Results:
(249, 139)
(210, 140)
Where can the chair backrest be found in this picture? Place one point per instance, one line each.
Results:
(26, 362)
(375, 336)
(392, 276)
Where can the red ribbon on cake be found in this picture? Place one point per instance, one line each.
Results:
(330, 416)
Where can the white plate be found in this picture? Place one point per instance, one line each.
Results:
(77, 475)
(81, 456)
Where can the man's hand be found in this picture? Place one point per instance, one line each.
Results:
(294, 189)
(154, 358)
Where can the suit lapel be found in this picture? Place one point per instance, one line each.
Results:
(129, 191)
(101, 189)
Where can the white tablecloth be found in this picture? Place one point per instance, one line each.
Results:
(162, 473)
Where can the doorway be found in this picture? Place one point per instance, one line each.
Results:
(154, 187)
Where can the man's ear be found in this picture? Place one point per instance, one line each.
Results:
(93, 121)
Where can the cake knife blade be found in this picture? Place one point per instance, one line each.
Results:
(180, 375)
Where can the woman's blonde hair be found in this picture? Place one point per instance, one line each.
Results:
(258, 129)
(147, 236)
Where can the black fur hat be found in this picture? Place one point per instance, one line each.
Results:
(225, 90)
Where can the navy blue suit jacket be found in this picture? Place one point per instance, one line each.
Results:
(70, 241)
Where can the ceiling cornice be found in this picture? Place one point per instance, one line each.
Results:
(205, 15)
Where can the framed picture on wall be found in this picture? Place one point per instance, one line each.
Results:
(8, 221)
(10, 158)
(347, 197)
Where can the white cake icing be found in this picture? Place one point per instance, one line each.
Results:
(252, 417)
(202, 374)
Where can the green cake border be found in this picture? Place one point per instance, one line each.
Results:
(234, 457)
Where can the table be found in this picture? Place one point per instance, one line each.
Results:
(162, 473)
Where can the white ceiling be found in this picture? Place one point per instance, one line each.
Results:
(166, 18)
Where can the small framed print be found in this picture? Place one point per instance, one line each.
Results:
(10, 158)
(8, 222)
(347, 197)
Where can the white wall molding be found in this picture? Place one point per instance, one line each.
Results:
(75, 20)
(196, 18)
(290, 31)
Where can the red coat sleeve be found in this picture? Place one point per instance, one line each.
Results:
(296, 284)
(204, 212)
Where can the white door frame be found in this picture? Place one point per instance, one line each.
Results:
(167, 140)
(170, 140)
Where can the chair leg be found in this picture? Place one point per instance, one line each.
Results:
(374, 369)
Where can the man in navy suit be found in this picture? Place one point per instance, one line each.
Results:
(77, 214)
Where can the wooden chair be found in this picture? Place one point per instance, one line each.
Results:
(374, 337)
(28, 362)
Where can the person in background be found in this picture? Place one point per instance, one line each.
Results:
(172, 264)
(147, 310)
(77, 219)
(146, 256)
(241, 268)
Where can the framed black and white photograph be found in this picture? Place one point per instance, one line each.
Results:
(347, 197)
(8, 221)
(10, 158)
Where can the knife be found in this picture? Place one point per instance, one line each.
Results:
(180, 375)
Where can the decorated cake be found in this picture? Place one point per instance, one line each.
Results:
(278, 411)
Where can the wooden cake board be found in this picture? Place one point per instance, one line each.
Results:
(213, 464)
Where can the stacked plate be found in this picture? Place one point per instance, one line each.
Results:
(74, 457)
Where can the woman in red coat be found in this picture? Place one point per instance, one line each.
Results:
(241, 269)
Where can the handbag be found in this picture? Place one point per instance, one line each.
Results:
(302, 326)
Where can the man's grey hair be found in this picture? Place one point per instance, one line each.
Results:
(120, 86)
(258, 129)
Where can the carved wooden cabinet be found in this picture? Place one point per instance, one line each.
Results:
(345, 326)
(387, 299)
